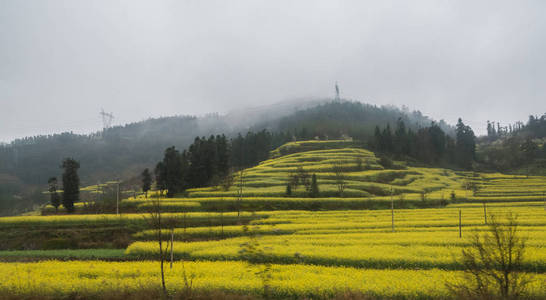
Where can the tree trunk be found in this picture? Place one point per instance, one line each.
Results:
(172, 243)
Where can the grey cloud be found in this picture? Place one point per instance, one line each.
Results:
(61, 61)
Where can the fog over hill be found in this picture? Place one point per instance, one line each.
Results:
(123, 151)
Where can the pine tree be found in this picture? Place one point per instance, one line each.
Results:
(173, 172)
(530, 149)
(222, 148)
(401, 138)
(465, 145)
(387, 139)
(54, 196)
(288, 189)
(71, 184)
(378, 140)
(159, 173)
(437, 141)
(146, 182)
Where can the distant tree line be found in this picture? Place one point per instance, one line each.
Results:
(535, 128)
(254, 147)
(209, 161)
(427, 144)
(333, 120)
(521, 148)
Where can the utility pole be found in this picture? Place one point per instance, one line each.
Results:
(484, 213)
(460, 225)
(117, 199)
(240, 192)
(98, 193)
(392, 211)
(172, 244)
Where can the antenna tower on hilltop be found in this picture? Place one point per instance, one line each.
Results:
(107, 119)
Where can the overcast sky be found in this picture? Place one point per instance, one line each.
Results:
(62, 61)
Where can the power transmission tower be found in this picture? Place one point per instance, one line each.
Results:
(337, 99)
(107, 119)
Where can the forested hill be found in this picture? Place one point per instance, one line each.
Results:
(354, 119)
(519, 147)
(123, 151)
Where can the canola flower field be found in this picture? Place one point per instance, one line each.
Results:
(312, 254)
(424, 238)
(309, 247)
(287, 281)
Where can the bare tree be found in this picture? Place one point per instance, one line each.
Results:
(227, 182)
(493, 263)
(358, 164)
(304, 178)
(256, 256)
(155, 218)
(293, 181)
(54, 196)
(339, 172)
(240, 187)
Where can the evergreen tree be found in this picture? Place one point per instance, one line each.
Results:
(71, 184)
(173, 171)
(211, 161)
(412, 144)
(54, 196)
(387, 139)
(288, 189)
(146, 181)
(159, 173)
(450, 149)
(197, 173)
(237, 150)
(314, 190)
(222, 148)
(491, 132)
(465, 145)
(530, 149)
(401, 146)
(378, 140)
(437, 141)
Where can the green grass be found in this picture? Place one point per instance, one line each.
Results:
(64, 254)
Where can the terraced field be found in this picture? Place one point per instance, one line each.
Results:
(290, 246)
(354, 250)
(368, 184)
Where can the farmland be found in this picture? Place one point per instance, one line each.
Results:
(393, 232)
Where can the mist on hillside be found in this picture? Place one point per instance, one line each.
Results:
(62, 62)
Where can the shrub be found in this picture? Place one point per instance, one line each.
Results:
(493, 263)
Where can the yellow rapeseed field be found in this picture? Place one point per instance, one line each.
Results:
(50, 278)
